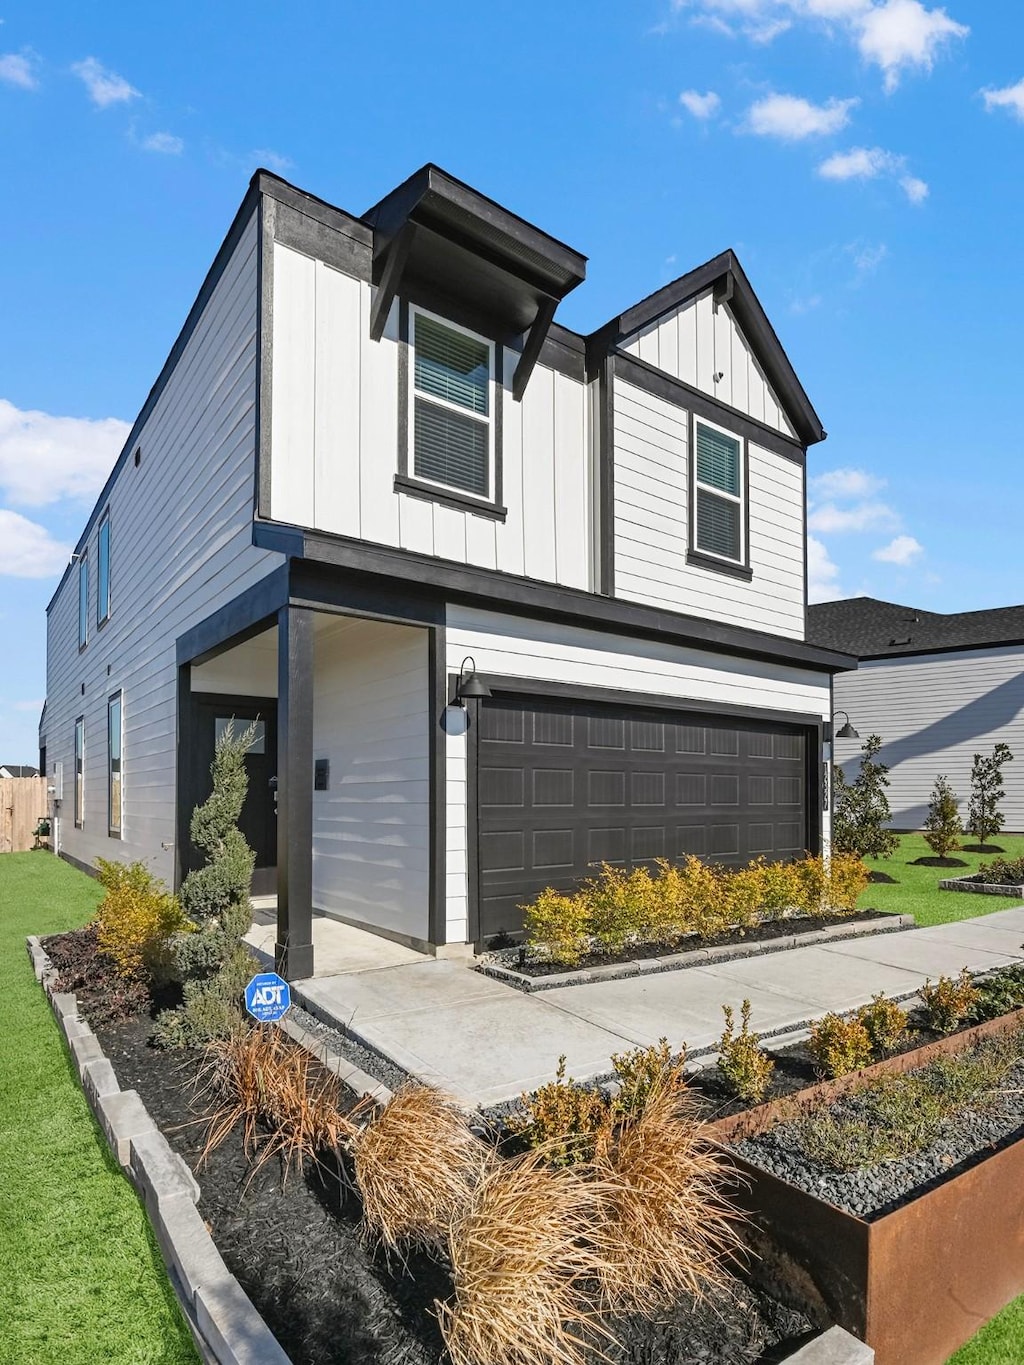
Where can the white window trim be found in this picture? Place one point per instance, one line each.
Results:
(117, 833)
(721, 493)
(413, 393)
(78, 813)
(83, 605)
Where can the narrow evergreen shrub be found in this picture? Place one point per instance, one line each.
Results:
(984, 818)
(942, 826)
(742, 1063)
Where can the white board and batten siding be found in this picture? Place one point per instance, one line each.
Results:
(700, 340)
(371, 828)
(180, 547)
(934, 712)
(335, 439)
(652, 534)
(509, 646)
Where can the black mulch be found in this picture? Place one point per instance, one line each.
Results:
(937, 862)
(882, 878)
(982, 848)
(91, 975)
(518, 959)
(295, 1248)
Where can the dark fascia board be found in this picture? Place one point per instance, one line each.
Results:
(526, 597)
(911, 652)
(239, 223)
(751, 317)
(266, 182)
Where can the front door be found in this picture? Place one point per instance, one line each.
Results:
(258, 821)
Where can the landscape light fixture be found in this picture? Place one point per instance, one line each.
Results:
(469, 685)
(847, 732)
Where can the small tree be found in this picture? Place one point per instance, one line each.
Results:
(984, 818)
(942, 826)
(862, 808)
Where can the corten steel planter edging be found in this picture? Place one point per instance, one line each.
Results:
(919, 1282)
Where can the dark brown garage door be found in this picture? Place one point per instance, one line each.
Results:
(563, 786)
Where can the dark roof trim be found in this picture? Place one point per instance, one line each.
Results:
(526, 597)
(220, 262)
(311, 207)
(725, 273)
(919, 651)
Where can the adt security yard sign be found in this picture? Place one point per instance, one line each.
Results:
(268, 997)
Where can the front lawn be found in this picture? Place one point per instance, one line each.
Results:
(81, 1274)
(916, 890)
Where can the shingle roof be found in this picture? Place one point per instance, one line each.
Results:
(18, 770)
(872, 629)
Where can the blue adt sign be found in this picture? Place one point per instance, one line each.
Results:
(268, 997)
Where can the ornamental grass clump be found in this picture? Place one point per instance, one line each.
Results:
(417, 1166)
(949, 1002)
(743, 1064)
(839, 1045)
(667, 1226)
(886, 1024)
(563, 1118)
(524, 1255)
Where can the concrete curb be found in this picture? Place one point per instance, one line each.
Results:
(347, 1072)
(834, 1347)
(695, 957)
(224, 1323)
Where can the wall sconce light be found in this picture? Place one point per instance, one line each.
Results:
(847, 732)
(469, 685)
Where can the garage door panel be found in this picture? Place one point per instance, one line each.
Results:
(564, 787)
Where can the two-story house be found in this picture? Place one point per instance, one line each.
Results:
(505, 601)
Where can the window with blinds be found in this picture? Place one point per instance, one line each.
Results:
(452, 420)
(719, 493)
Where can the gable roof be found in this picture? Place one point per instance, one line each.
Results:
(17, 770)
(725, 274)
(872, 629)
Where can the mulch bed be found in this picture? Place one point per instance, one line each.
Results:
(518, 959)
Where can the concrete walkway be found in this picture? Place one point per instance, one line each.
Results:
(483, 1041)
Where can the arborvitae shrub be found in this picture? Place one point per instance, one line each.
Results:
(942, 826)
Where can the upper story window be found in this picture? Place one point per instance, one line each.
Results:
(80, 772)
(103, 570)
(719, 494)
(452, 424)
(114, 768)
(83, 601)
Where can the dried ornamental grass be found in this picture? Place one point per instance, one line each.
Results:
(524, 1257)
(417, 1165)
(667, 1227)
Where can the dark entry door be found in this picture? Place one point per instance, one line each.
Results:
(564, 786)
(258, 822)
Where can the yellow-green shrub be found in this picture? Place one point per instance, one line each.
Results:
(564, 1118)
(618, 906)
(696, 889)
(135, 920)
(885, 1022)
(812, 886)
(847, 878)
(949, 1001)
(559, 926)
(840, 1045)
(742, 896)
(780, 887)
(644, 1071)
(742, 1063)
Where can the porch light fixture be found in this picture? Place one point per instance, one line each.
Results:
(469, 685)
(847, 732)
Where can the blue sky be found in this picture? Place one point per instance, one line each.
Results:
(863, 157)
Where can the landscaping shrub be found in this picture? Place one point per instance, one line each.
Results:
(84, 969)
(1005, 870)
(559, 927)
(136, 920)
(862, 807)
(694, 890)
(847, 878)
(984, 818)
(213, 1007)
(780, 887)
(667, 1225)
(742, 895)
(618, 906)
(643, 1072)
(743, 1065)
(839, 1045)
(563, 1118)
(949, 1002)
(1000, 993)
(523, 1257)
(886, 1024)
(417, 1165)
(942, 826)
(812, 887)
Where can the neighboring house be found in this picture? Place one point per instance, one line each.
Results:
(17, 770)
(938, 688)
(372, 463)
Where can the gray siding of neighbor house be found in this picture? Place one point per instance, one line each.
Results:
(934, 712)
(181, 546)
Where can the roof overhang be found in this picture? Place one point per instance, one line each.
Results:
(437, 232)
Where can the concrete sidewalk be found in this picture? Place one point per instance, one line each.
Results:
(483, 1041)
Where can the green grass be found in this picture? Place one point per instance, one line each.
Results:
(81, 1279)
(1000, 1342)
(917, 888)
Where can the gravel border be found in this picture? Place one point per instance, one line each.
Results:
(695, 957)
(225, 1326)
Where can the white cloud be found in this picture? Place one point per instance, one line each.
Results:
(1009, 97)
(904, 550)
(16, 69)
(105, 87)
(903, 33)
(27, 550)
(916, 190)
(845, 483)
(862, 516)
(273, 161)
(45, 458)
(860, 163)
(700, 106)
(822, 573)
(166, 143)
(867, 259)
(791, 118)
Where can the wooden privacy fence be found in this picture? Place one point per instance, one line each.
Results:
(22, 804)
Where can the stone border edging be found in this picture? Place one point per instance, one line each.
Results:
(695, 957)
(1013, 890)
(224, 1322)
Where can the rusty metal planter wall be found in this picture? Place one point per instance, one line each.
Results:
(920, 1281)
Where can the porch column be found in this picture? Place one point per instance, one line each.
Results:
(293, 953)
